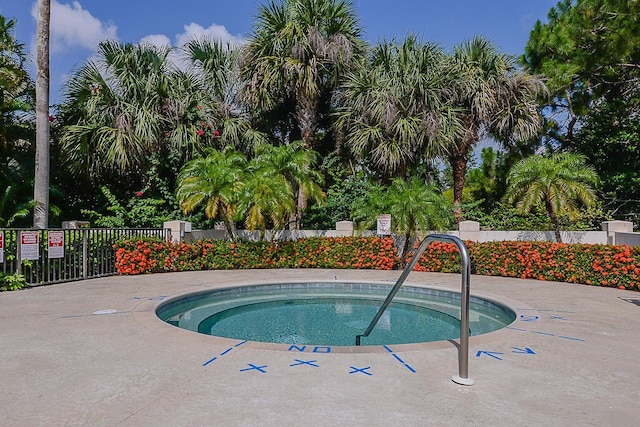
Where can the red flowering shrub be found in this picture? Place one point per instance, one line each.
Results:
(601, 265)
(154, 255)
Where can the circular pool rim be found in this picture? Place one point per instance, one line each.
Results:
(517, 307)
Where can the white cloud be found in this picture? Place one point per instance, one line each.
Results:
(158, 40)
(191, 31)
(74, 26)
(214, 31)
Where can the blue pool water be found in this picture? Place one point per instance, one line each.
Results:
(331, 314)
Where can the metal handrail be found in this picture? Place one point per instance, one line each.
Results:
(463, 351)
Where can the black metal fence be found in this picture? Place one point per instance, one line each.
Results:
(64, 255)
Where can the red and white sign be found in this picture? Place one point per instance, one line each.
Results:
(384, 225)
(29, 245)
(1, 246)
(56, 244)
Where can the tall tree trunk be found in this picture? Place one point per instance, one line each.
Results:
(458, 163)
(228, 223)
(554, 220)
(307, 115)
(405, 249)
(41, 179)
(458, 159)
(302, 205)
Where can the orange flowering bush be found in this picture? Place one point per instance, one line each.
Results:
(153, 255)
(600, 265)
(139, 256)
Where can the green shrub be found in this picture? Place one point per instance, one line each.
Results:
(13, 282)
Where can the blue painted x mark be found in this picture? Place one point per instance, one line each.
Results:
(361, 370)
(253, 367)
(305, 362)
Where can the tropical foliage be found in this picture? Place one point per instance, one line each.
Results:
(344, 189)
(493, 98)
(307, 108)
(213, 181)
(124, 111)
(260, 190)
(561, 182)
(296, 55)
(16, 129)
(298, 51)
(15, 86)
(391, 112)
(589, 53)
(415, 208)
(139, 211)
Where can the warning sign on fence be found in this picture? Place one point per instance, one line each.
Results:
(56, 244)
(29, 245)
(1, 246)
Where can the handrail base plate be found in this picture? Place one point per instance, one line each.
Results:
(462, 381)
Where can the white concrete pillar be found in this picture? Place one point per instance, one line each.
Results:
(178, 230)
(613, 227)
(345, 228)
(469, 230)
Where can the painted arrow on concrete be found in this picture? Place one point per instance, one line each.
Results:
(525, 350)
(489, 353)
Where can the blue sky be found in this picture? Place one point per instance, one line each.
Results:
(78, 26)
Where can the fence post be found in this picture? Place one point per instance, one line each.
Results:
(18, 252)
(85, 253)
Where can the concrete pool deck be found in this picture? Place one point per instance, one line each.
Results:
(93, 353)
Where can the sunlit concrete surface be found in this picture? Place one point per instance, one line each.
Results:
(94, 353)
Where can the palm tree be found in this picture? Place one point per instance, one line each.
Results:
(390, 109)
(114, 103)
(214, 181)
(130, 107)
(300, 47)
(295, 165)
(41, 179)
(414, 206)
(266, 196)
(493, 98)
(16, 184)
(215, 67)
(15, 84)
(297, 52)
(559, 182)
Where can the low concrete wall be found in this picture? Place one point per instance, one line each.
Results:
(614, 233)
(281, 235)
(181, 232)
(204, 234)
(631, 239)
(591, 237)
(611, 234)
